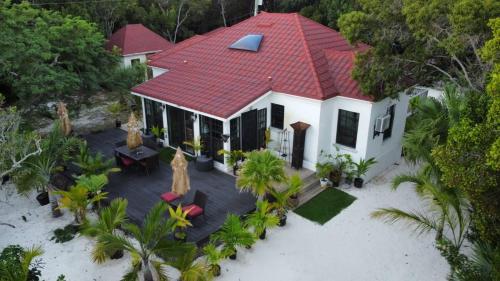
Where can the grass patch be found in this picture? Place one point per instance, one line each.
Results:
(325, 205)
(167, 154)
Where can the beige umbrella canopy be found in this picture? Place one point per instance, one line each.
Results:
(134, 139)
(180, 178)
(62, 112)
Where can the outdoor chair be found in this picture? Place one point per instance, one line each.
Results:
(169, 197)
(123, 161)
(196, 208)
(150, 163)
(150, 143)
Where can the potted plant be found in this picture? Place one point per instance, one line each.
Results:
(116, 108)
(361, 168)
(284, 199)
(232, 234)
(349, 170)
(262, 219)
(180, 223)
(232, 158)
(157, 133)
(323, 170)
(110, 219)
(213, 257)
(94, 185)
(77, 200)
(93, 165)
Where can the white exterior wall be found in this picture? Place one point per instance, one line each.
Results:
(158, 71)
(386, 152)
(127, 60)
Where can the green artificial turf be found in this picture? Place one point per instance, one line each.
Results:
(167, 154)
(325, 205)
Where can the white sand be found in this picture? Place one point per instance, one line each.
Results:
(351, 246)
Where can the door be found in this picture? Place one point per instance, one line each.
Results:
(176, 127)
(211, 137)
(153, 112)
(249, 136)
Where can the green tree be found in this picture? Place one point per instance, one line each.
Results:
(419, 42)
(47, 56)
(18, 264)
(152, 242)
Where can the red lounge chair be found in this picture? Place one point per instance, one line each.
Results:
(197, 208)
(127, 162)
(169, 197)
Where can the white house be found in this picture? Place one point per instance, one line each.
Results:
(135, 42)
(271, 71)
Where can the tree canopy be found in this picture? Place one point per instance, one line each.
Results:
(419, 42)
(45, 55)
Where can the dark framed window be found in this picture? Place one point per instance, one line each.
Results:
(135, 62)
(234, 128)
(347, 128)
(388, 131)
(277, 116)
(211, 137)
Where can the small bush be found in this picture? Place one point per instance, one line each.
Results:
(10, 264)
(65, 234)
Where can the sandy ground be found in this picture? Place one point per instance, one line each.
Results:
(351, 246)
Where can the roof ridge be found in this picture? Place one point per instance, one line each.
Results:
(308, 53)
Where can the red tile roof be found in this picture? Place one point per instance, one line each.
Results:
(297, 56)
(136, 38)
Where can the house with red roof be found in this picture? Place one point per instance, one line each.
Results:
(279, 72)
(134, 42)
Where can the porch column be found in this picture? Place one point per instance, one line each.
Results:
(143, 113)
(196, 127)
(226, 130)
(165, 125)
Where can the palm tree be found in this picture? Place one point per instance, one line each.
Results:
(262, 219)
(213, 257)
(232, 234)
(447, 208)
(26, 258)
(77, 200)
(110, 219)
(283, 199)
(260, 171)
(152, 242)
(190, 269)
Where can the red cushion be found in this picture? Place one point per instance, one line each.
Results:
(127, 161)
(193, 210)
(169, 196)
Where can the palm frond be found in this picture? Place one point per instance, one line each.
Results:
(420, 222)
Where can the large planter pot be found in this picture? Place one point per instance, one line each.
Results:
(235, 170)
(282, 221)
(358, 182)
(233, 256)
(5, 179)
(335, 178)
(324, 182)
(204, 163)
(43, 198)
(262, 236)
(118, 123)
(117, 255)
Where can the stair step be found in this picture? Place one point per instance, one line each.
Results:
(309, 192)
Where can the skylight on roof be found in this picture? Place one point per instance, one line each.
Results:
(250, 42)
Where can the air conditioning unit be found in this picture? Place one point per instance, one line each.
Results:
(382, 123)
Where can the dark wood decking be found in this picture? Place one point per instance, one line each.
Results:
(143, 191)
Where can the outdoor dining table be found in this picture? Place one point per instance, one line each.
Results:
(140, 154)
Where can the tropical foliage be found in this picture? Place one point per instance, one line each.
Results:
(260, 171)
(213, 257)
(282, 198)
(180, 221)
(232, 234)
(262, 218)
(18, 264)
(77, 200)
(190, 269)
(93, 164)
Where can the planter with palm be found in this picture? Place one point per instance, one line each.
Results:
(158, 133)
(37, 171)
(361, 168)
(94, 185)
(232, 234)
(77, 200)
(94, 165)
(262, 219)
(232, 158)
(116, 109)
(284, 199)
(190, 269)
(260, 171)
(213, 257)
(110, 219)
(18, 264)
(181, 223)
(150, 241)
(323, 170)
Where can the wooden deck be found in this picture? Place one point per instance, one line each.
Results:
(143, 191)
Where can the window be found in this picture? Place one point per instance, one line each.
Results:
(135, 62)
(347, 128)
(388, 132)
(250, 42)
(234, 127)
(149, 73)
(277, 116)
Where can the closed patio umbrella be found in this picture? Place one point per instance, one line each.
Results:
(134, 139)
(180, 178)
(62, 112)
